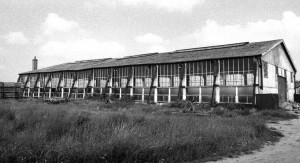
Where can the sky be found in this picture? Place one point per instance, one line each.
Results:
(59, 31)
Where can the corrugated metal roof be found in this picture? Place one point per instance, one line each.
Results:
(244, 49)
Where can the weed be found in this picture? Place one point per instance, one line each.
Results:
(279, 113)
(124, 132)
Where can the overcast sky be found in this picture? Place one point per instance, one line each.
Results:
(57, 31)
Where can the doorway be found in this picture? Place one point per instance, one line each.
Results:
(282, 90)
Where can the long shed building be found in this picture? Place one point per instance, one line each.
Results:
(232, 73)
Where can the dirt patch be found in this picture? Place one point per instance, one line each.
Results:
(287, 150)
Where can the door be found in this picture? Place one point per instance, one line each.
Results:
(282, 91)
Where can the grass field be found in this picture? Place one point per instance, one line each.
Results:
(92, 131)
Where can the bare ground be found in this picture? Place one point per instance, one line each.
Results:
(287, 150)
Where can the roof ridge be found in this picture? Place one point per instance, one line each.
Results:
(137, 56)
(213, 47)
(92, 60)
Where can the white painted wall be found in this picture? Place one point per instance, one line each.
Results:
(278, 57)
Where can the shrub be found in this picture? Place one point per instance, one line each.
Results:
(279, 113)
(179, 104)
(219, 110)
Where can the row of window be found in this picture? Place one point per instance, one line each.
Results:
(278, 71)
(233, 72)
(227, 94)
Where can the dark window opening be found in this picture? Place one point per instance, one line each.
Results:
(265, 69)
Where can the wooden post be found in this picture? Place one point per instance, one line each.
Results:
(46, 84)
(35, 83)
(215, 74)
(254, 81)
(153, 77)
(261, 73)
(19, 78)
(181, 76)
(130, 73)
(132, 82)
(107, 81)
(58, 84)
(93, 79)
(88, 84)
(26, 83)
(74, 81)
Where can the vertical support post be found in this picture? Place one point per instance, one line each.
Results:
(254, 81)
(110, 82)
(35, 85)
(63, 87)
(84, 93)
(143, 94)
(19, 78)
(131, 81)
(156, 85)
(215, 75)
(184, 83)
(73, 84)
(29, 91)
(218, 82)
(39, 92)
(24, 89)
(200, 95)
(90, 78)
(236, 95)
(93, 82)
(169, 96)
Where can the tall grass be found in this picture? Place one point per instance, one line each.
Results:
(38, 132)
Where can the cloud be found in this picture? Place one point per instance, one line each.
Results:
(155, 42)
(149, 38)
(16, 38)
(157, 48)
(287, 28)
(55, 23)
(2, 67)
(169, 5)
(64, 41)
(214, 33)
(82, 49)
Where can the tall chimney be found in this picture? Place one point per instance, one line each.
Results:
(34, 63)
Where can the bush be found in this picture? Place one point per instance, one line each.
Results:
(178, 104)
(279, 113)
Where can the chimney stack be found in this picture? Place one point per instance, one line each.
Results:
(34, 63)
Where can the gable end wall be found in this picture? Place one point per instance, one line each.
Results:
(278, 57)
